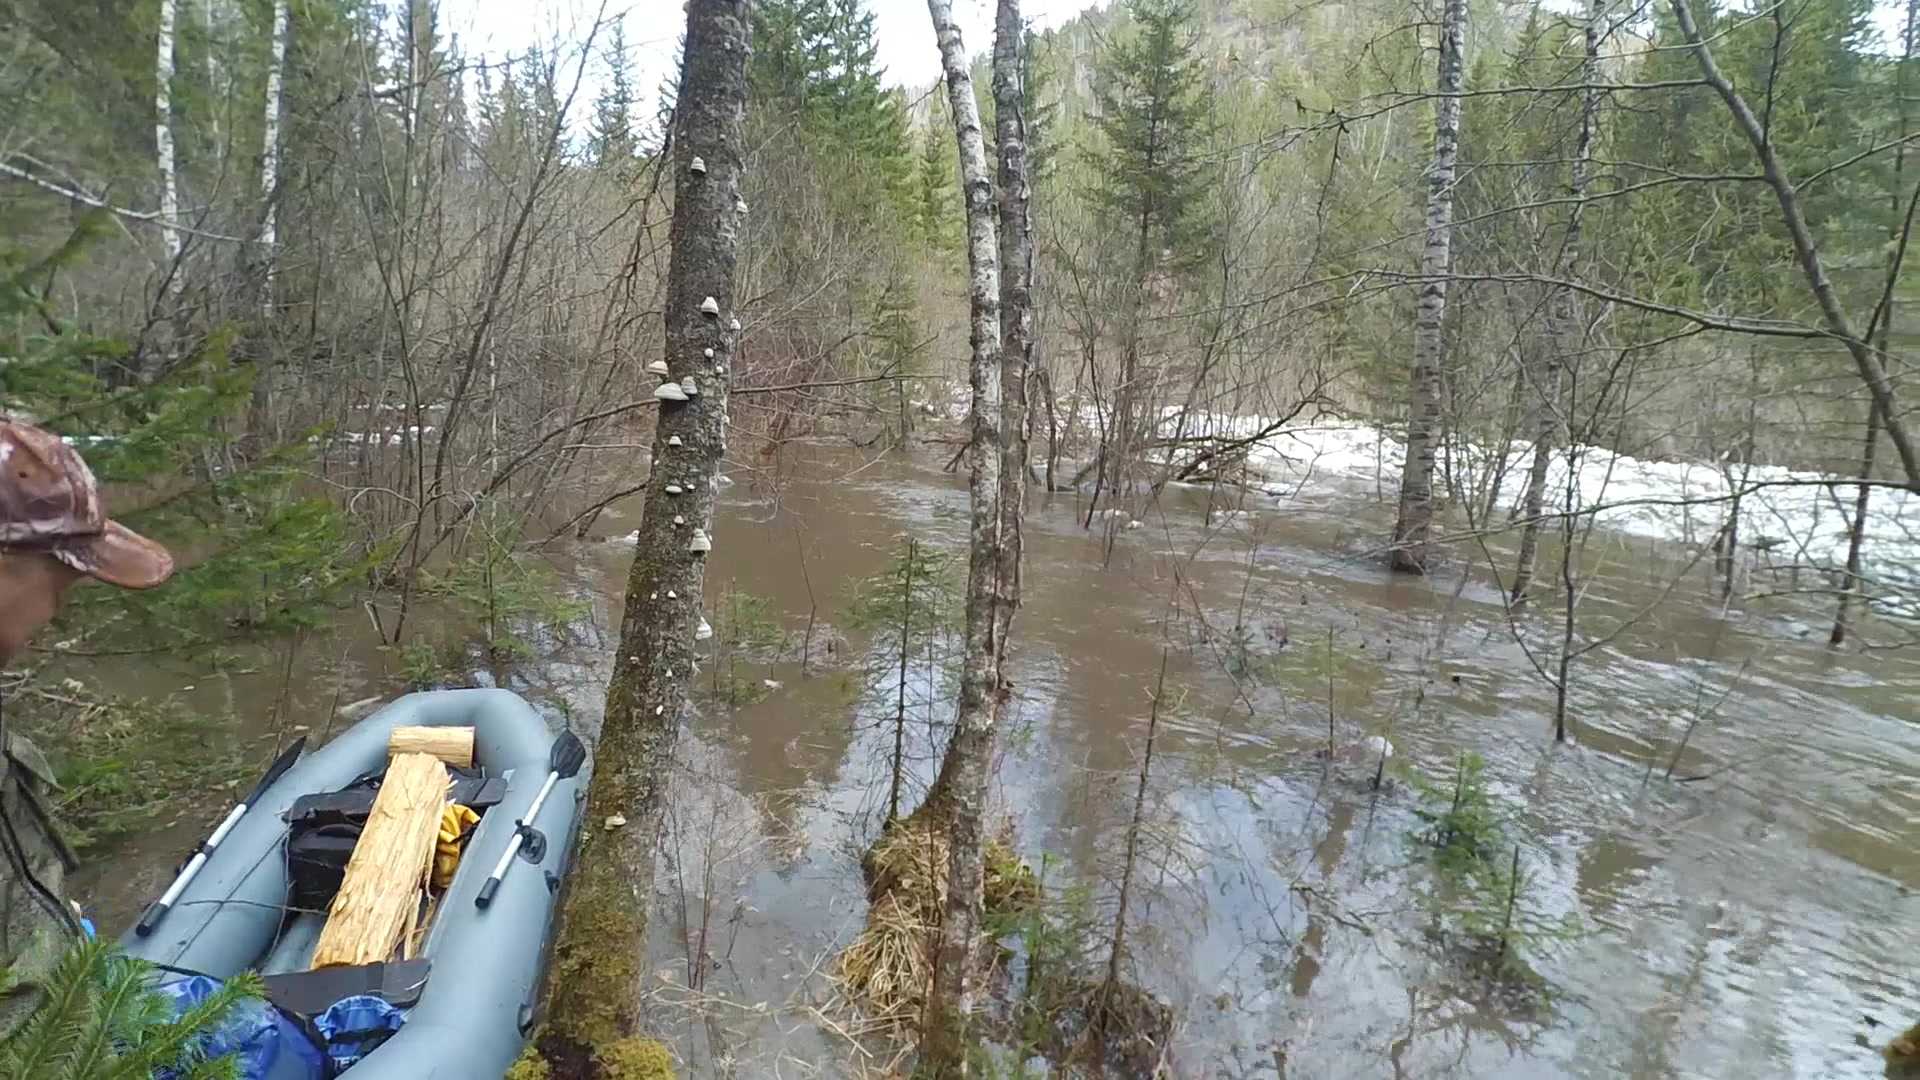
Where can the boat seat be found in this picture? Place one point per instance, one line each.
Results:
(307, 994)
(355, 803)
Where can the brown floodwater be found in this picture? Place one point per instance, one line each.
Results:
(1745, 918)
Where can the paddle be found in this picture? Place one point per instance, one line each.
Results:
(564, 763)
(276, 770)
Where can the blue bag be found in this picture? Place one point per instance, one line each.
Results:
(266, 1043)
(354, 1026)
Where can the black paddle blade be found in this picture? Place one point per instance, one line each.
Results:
(568, 755)
(278, 769)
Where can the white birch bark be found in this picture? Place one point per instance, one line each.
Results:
(270, 156)
(1412, 532)
(163, 141)
(959, 794)
(210, 25)
(1016, 295)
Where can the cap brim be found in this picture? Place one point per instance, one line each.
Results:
(118, 556)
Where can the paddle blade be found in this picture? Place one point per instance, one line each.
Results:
(276, 770)
(568, 755)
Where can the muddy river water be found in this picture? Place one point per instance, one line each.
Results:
(1746, 918)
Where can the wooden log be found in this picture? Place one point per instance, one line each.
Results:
(381, 886)
(453, 745)
(411, 927)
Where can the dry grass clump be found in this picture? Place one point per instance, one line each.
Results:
(910, 861)
(1011, 884)
(889, 967)
(1903, 1055)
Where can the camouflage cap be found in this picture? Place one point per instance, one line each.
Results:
(49, 501)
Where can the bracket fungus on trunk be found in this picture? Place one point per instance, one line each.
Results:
(703, 631)
(698, 166)
(689, 387)
(701, 542)
(673, 440)
(658, 367)
(675, 489)
(669, 391)
(710, 306)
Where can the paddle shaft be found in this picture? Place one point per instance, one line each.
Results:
(492, 885)
(158, 909)
(187, 873)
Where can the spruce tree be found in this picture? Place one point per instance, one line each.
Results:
(790, 56)
(1154, 111)
(613, 143)
(103, 1021)
(936, 208)
(814, 68)
(858, 109)
(1150, 194)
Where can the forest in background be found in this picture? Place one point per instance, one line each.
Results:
(358, 322)
(430, 270)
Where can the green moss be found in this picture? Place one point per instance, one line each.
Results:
(636, 1059)
(587, 961)
(531, 1066)
(618, 1059)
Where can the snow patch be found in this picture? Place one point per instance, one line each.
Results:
(1792, 516)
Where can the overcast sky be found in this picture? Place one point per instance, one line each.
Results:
(495, 28)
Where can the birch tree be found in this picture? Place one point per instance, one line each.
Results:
(270, 155)
(597, 962)
(1567, 336)
(958, 795)
(163, 140)
(1016, 292)
(1412, 531)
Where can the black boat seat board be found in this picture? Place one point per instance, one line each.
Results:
(355, 803)
(310, 993)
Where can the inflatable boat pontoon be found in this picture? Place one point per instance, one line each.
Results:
(470, 995)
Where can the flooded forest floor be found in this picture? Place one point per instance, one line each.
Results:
(1713, 878)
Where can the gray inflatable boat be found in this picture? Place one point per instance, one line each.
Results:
(471, 1000)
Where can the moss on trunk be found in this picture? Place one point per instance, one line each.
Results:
(621, 1059)
(594, 983)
